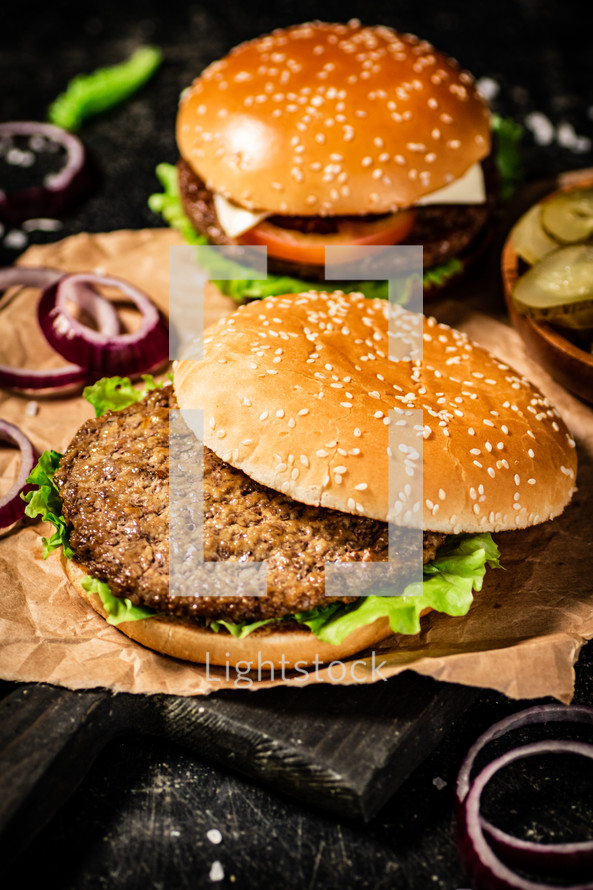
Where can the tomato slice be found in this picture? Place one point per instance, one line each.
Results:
(301, 247)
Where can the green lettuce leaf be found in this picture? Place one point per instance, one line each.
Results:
(238, 630)
(47, 503)
(449, 582)
(114, 393)
(117, 608)
(238, 281)
(168, 205)
(507, 153)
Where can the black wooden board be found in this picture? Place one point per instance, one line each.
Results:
(343, 749)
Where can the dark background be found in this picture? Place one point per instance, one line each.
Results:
(141, 816)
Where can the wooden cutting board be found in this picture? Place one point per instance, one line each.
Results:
(343, 749)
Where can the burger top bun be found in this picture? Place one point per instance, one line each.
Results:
(296, 392)
(326, 119)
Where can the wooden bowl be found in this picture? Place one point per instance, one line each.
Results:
(568, 364)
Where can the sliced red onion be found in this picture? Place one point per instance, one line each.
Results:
(130, 354)
(28, 276)
(488, 871)
(482, 865)
(58, 190)
(12, 507)
(101, 310)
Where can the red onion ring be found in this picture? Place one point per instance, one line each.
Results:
(480, 841)
(482, 865)
(58, 190)
(99, 352)
(12, 506)
(100, 309)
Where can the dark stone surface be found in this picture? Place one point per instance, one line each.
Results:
(140, 817)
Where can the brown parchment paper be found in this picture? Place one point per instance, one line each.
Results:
(521, 637)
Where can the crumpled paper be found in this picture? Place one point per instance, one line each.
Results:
(521, 637)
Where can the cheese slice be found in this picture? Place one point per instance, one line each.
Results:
(468, 189)
(235, 220)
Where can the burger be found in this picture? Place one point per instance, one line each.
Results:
(297, 395)
(329, 135)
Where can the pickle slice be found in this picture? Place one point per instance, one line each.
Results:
(559, 288)
(529, 239)
(568, 216)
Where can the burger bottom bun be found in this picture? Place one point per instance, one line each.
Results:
(263, 649)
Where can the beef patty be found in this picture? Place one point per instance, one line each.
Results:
(444, 231)
(114, 483)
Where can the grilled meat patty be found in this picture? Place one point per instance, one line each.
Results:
(444, 231)
(114, 483)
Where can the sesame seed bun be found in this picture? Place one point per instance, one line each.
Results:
(296, 392)
(191, 642)
(328, 119)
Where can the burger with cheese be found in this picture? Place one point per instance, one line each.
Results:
(333, 134)
(296, 393)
